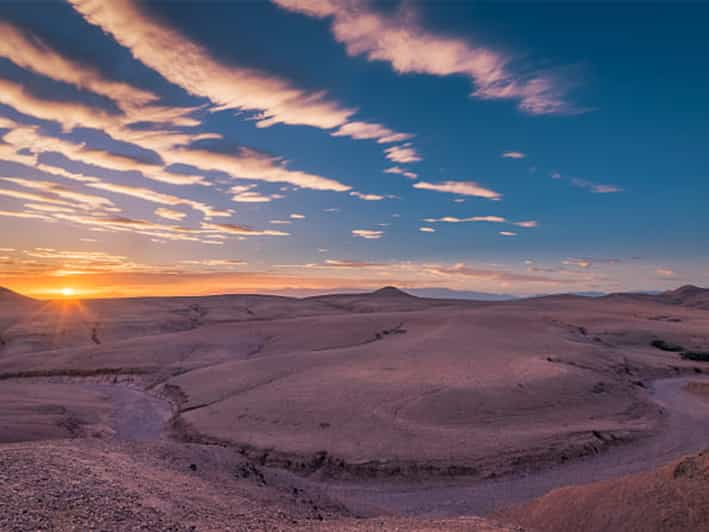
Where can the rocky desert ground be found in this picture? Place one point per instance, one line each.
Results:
(376, 411)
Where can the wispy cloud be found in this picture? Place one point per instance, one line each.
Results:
(170, 214)
(67, 196)
(247, 194)
(161, 198)
(192, 67)
(23, 214)
(587, 262)
(368, 197)
(185, 63)
(665, 272)
(402, 41)
(404, 153)
(366, 130)
(367, 234)
(215, 263)
(31, 53)
(595, 187)
(337, 263)
(463, 188)
(461, 269)
(241, 230)
(401, 171)
(246, 163)
(427, 229)
(478, 219)
(513, 155)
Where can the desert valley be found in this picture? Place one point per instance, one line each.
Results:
(354, 265)
(372, 411)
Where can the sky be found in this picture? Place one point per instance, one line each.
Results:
(304, 146)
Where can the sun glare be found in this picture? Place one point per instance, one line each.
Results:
(68, 292)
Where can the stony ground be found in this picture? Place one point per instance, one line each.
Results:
(96, 485)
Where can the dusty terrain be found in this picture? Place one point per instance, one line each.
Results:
(671, 498)
(375, 404)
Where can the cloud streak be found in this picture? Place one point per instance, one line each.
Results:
(462, 188)
(402, 41)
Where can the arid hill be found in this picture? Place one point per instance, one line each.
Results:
(671, 499)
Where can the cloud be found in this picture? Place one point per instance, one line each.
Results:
(401, 171)
(169, 214)
(526, 223)
(185, 63)
(297, 216)
(605, 189)
(665, 272)
(588, 185)
(161, 198)
(22, 214)
(401, 40)
(366, 130)
(455, 220)
(367, 234)
(280, 222)
(47, 208)
(508, 233)
(68, 113)
(191, 66)
(367, 197)
(477, 219)
(404, 153)
(513, 155)
(241, 230)
(31, 53)
(246, 163)
(215, 263)
(460, 269)
(30, 138)
(594, 187)
(143, 227)
(69, 196)
(464, 188)
(246, 194)
(427, 229)
(335, 263)
(587, 262)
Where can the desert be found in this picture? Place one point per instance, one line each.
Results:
(351, 411)
(354, 265)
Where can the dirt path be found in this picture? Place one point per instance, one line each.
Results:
(685, 430)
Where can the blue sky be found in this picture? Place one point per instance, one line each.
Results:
(215, 147)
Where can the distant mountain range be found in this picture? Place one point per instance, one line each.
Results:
(447, 293)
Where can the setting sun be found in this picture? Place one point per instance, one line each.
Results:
(68, 292)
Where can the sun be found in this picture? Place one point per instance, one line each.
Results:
(68, 292)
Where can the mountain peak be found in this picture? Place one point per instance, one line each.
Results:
(391, 291)
(687, 290)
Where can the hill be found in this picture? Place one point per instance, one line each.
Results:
(672, 498)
